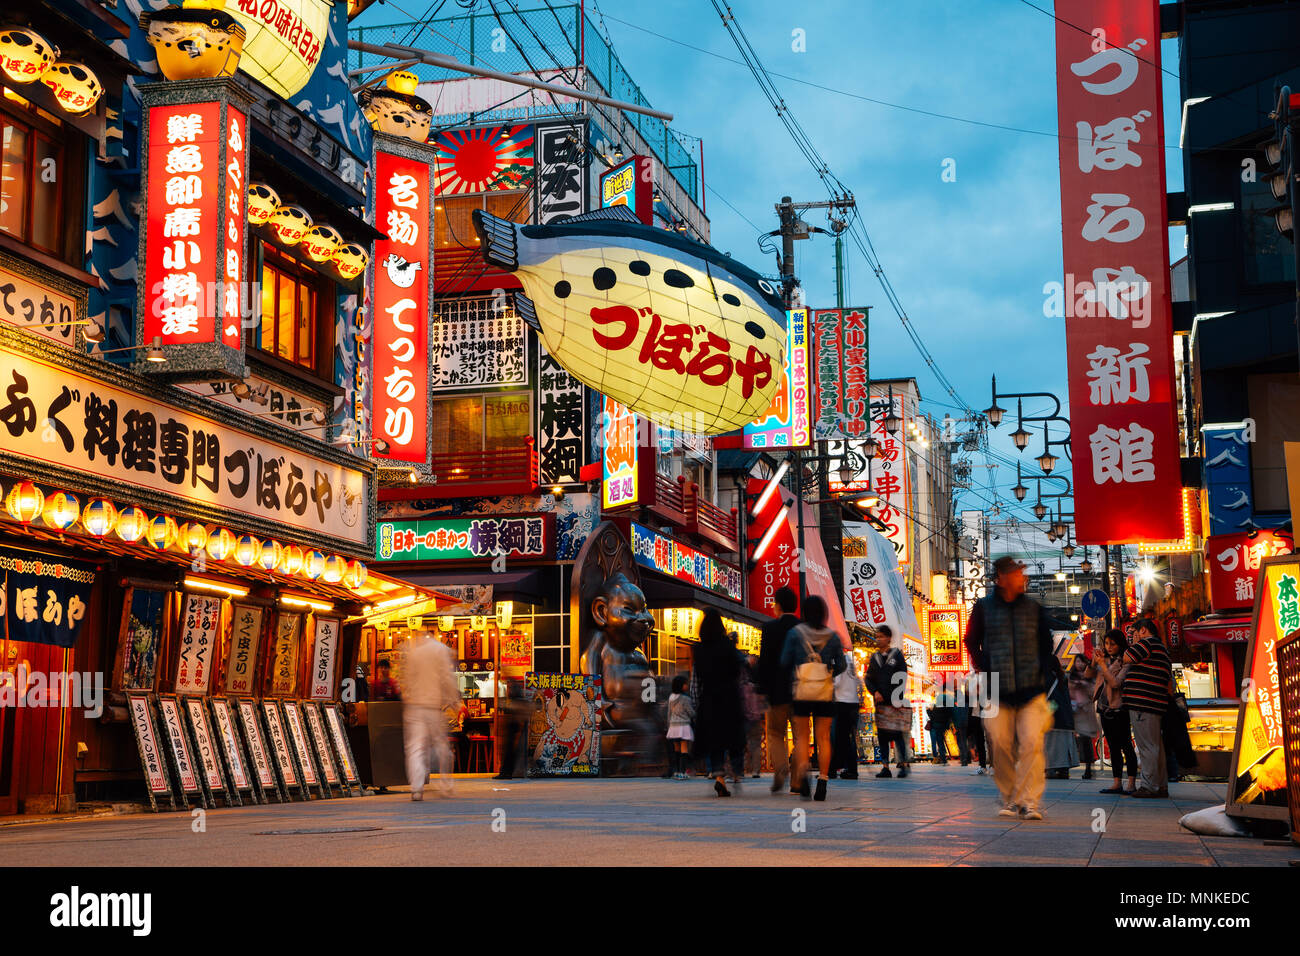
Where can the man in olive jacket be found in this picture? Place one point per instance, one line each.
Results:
(774, 682)
(1009, 641)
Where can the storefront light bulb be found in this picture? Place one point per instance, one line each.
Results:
(195, 537)
(291, 560)
(313, 565)
(220, 543)
(99, 517)
(505, 613)
(247, 550)
(334, 570)
(270, 555)
(132, 524)
(61, 510)
(24, 502)
(162, 532)
(356, 575)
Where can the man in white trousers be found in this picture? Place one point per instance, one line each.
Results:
(428, 688)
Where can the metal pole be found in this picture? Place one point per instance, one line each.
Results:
(839, 272)
(786, 212)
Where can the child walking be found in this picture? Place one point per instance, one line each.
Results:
(681, 712)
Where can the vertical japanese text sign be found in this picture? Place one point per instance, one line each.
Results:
(403, 266)
(891, 477)
(561, 172)
(1116, 252)
(193, 298)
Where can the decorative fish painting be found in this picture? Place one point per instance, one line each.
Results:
(669, 327)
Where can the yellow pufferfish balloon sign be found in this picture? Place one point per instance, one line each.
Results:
(667, 326)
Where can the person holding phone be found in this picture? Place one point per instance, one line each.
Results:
(1148, 688)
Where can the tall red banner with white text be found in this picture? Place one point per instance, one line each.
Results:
(1118, 330)
(403, 264)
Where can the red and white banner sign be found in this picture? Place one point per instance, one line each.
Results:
(192, 200)
(1116, 252)
(1233, 562)
(402, 266)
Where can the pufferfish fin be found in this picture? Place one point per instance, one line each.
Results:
(608, 213)
(525, 309)
(500, 241)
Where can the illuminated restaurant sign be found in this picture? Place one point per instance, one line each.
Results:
(788, 421)
(1234, 561)
(944, 627)
(631, 184)
(526, 536)
(667, 556)
(619, 460)
(40, 307)
(284, 40)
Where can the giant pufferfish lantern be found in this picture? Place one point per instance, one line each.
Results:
(195, 41)
(397, 109)
(669, 327)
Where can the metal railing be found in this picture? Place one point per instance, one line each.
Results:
(459, 474)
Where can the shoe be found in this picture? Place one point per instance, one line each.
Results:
(884, 774)
(1009, 810)
(1114, 790)
(805, 789)
(902, 771)
(1163, 792)
(1144, 793)
(754, 777)
(1087, 774)
(979, 772)
(721, 788)
(848, 776)
(821, 790)
(417, 795)
(503, 776)
(778, 781)
(1030, 813)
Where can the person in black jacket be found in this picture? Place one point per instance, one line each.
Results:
(774, 682)
(887, 684)
(719, 719)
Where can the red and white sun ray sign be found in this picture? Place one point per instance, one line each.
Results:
(403, 264)
(1116, 252)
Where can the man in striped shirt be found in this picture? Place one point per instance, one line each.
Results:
(1148, 688)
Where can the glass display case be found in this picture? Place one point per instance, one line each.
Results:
(1213, 731)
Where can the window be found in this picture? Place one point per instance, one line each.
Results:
(453, 226)
(1273, 401)
(296, 311)
(475, 423)
(1270, 257)
(42, 184)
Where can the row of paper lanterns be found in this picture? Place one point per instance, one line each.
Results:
(293, 226)
(100, 517)
(26, 56)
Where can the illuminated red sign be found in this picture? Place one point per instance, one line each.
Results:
(1234, 560)
(402, 266)
(944, 629)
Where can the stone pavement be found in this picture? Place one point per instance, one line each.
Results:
(940, 816)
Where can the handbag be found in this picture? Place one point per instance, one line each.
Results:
(813, 680)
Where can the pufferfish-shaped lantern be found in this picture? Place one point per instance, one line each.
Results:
(195, 41)
(25, 55)
(263, 201)
(290, 223)
(76, 88)
(321, 243)
(351, 260)
(397, 109)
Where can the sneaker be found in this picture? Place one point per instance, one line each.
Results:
(1010, 810)
(1030, 813)
(902, 771)
(979, 772)
(884, 775)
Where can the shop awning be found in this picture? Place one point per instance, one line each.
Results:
(1226, 630)
(526, 585)
(663, 592)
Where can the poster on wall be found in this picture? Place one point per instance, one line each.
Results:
(324, 658)
(561, 446)
(245, 636)
(197, 643)
(564, 730)
(476, 342)
(483, 159)
(141, 636)
(561, 175)
(284, 653)
(1257, 777)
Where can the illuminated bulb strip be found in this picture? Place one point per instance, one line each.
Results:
(302, 602)
(392, 602)
(770, 533)
(205, 585)
(770, 490)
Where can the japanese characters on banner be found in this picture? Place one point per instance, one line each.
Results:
(402, 267)
(150, 756)
(245, 635)
(70, 420)
(284, 653)
(198, 640)
(194, 260)
(661, 553)
(891, 477)
(842, 372)
(284, 40)
(874, 593)
(564, 732)
(561, 445)
(324, 658)
(37, 307)
(43, 599)
(205, 747)
(561, 174)
(432, 539)
(944, 627)
(630, 184)
(169, 713)
(1116, 251)
(1233, 562)
(483, 345)
(619, 458)
(787, 423)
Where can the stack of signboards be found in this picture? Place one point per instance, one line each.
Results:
(240, 750)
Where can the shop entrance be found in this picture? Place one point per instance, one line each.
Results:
(8, 746)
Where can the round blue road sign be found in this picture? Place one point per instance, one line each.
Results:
(1095, 603)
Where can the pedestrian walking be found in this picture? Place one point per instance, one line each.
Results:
(512, 724)
(1009, 640)
(1083, 692)
(937, 725)
(719, 720)
(681, 714)
(385, 687)
(774, 682)
(1059, 751)
(844, 726)
(751, 702)
(1178, 742)
(429, 689)
(813, 657)
(961, 730)
(886, 682)
(1115, 724)
(1148, 687)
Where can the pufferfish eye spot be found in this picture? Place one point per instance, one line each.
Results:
(604, 278)
(678, 279)
(730, 299)
(756, 330)
(639, 267)
(562, 289)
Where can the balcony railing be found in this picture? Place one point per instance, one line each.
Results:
(466, 474)
(709, 521)
(670, 499)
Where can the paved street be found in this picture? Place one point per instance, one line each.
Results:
(941, 816)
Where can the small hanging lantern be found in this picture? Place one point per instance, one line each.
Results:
(351, 260)
(162, 533)
(220, 543)
(505, 613)
(131, 524)
(25, 55)
(321, 242)
(478, 622)
(75, 86)
(397, 109)
(247, 550)
(194, 537)
(99, 517)
(291, 560)
(270, 555)
(335, 567)
(195, 41)
(290, 223)
(356, 575)
(446, 623)
(263, 201)
(61, 510)
(313, 565)
(24, 502)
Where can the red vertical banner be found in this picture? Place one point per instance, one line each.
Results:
(235, 191)
(403, 265)
(1115, 240)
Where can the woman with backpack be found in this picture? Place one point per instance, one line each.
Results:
(813, 656)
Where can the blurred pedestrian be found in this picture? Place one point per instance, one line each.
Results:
(430, 689)
(975, 725)
(681, 714)
(1114, 715)
(719, 721)
(937, 725)
(752, 704)
(1178, 742)
(385, 687)
(512, 724)
(1083, 691)
(886, 682)
(1009, 640)
(774, 682)
(1059, 752)
(1148, 687)
(813, 656)
(961, 729)
(844, 726)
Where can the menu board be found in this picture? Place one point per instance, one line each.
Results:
(205, 746)
(146, 738)
(257, 754)
(284, 654)
(230, 744)
(197, 639)
(245, 634)
(170, 714)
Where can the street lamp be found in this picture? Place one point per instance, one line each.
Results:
(1069, 550)
(1046, 461)
(871, 448)
(1040, 509)
(1020, 491)
(994, 414)
(1020, 436)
